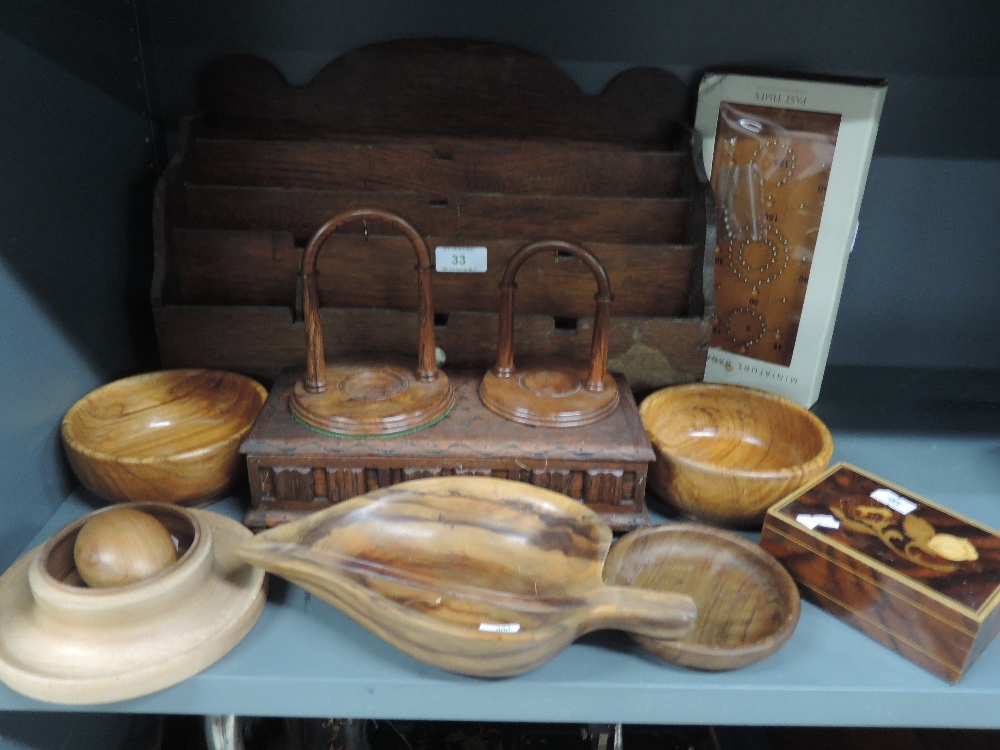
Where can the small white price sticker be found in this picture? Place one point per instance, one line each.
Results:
(897, 503)
(499, 627)
(818, 520)
(470, 259)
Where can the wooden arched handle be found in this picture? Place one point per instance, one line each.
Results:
(315, 380)
(602, 312)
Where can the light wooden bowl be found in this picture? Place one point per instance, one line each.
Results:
(487, 577)
(748, 604)
(64, 642)
(725, 453)
(171, 436)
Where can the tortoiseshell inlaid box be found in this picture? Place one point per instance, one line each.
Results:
(913, 575)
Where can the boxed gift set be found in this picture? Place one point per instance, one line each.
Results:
(788, 161)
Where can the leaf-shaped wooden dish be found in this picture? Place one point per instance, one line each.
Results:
(481, 576)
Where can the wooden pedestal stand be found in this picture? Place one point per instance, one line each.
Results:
(369, 399)
(551, 396)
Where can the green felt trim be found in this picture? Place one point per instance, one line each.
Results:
(370, 437)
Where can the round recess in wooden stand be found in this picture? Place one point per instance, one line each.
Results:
(725, 453)
(748, 604)
(545, 395)
(369, 399)
(64, 642)
(171, 436)
(482, 576)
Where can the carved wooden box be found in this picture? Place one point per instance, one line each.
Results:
(294, 470)
(914, 576)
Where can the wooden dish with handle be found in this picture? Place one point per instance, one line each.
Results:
(482, 576)
(748, 604)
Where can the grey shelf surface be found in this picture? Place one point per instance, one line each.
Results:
(935, 433)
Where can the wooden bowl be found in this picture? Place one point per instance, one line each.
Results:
(725, 453)
(64, 642)
(748, 604)
(487, 577)
(171, 436)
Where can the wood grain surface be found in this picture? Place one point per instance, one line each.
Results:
(494, 148)
(725, 453)
(262, 341)
(439, 165)
(555, 395)
(64, 642)
(122, 546)
(443, 87)
(242, 267)
(747, 602)
(370, 398)
(474, 218)
(294, 471)
(481, 576)
(901, 544)
(883, 574)
(170, 436)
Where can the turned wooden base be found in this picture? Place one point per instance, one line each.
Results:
(369, 400)
(295, 470)
(64, 642)
(548, 396)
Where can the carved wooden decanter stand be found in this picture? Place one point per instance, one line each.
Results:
(369, 399)
(311, 446)
(551, 396)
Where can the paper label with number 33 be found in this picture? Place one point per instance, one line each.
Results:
(470, 259)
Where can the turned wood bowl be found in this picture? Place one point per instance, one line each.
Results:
(65, 642)
(171, 436)
(726, 453)
(486, 577)
(748, 604)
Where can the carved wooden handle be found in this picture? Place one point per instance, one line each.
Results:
(602, 312)
(654, 614)
(315, 380)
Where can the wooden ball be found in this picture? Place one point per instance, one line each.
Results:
(122, 546)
